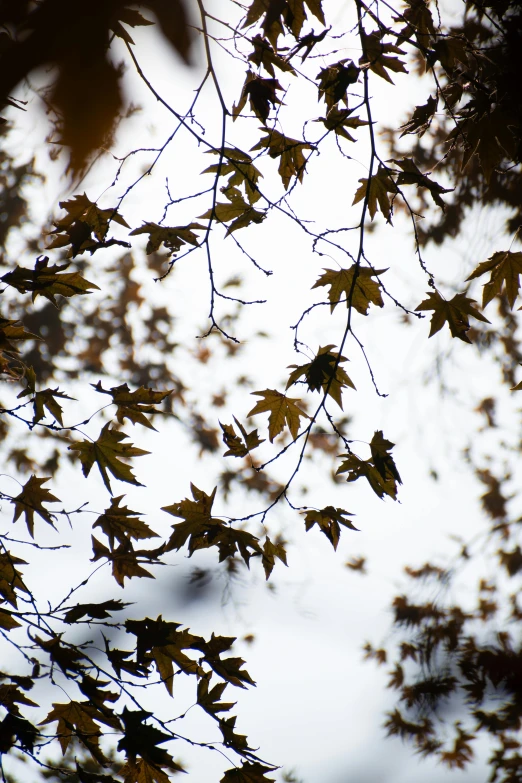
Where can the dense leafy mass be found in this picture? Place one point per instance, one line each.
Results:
(59, 329)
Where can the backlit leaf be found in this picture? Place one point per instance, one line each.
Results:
(31, 500)
(283, 412)
(455, 312)
(505, 267)
(355, 284)
(107, 452)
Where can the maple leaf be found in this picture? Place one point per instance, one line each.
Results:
(11, 696)
(505, 267)
(13, 331)
(489, 137)
(411, 175)
(142, 739)
(98, 611)
(202, 530)
(133, 405)
(209, 700)
(383, 461)
(127, 16)
(84, 225)
(76, 719)
(14, 728)
(124, 560)
(260, 93)
(199, 526)
(141, 771)
(31, 500)
(45, 399)
(66, 656)
(241, 169)
(329, 520)
(270, 552)
(380, 471)
(10, 577)
(455, 312)
(377, 55)
(120, 523)
(47, 281)
(335, 80)
(376, 193)
(265, 55)
(421, 118)
(323, 373)
(172, 237)
(291, 13)
(339, 120)
(283, 412)
(7, 622)
(238, 447)
(248, 772)
(356, 284)
(238, 742)
(106, 452)
(290, 151)
(236, 210)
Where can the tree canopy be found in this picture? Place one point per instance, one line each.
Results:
(97, 365)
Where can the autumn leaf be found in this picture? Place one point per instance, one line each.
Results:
(209, 699)
(357, 286)
(10, 577)
(142, 739)
(100, 611)
(411, 175)
(120, 524)
(47, 281)
(323, 373)
(290, 151)
(376, 192)
(133, 405)
(172, 237)
(265, 55)
(141, 771)
(505, 267)
(76, 719)
(236, 210)
(10, 693)
(44, 399)
(84, 226)
(12, 331)
(260, 93)
(124, 559)
(380, 471)
(382, 459)
(455, 312)
(334, 81)
(248, 772)
(130, 17)
(339, 120)
(329, 521)
(291, 13)
(31, 500)
(7, 622)
(270, 552)
(107, 452)
(202, 530)
(241, 169)
(239, 446)
(283, 412)
(377, 55)
(421, 118)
